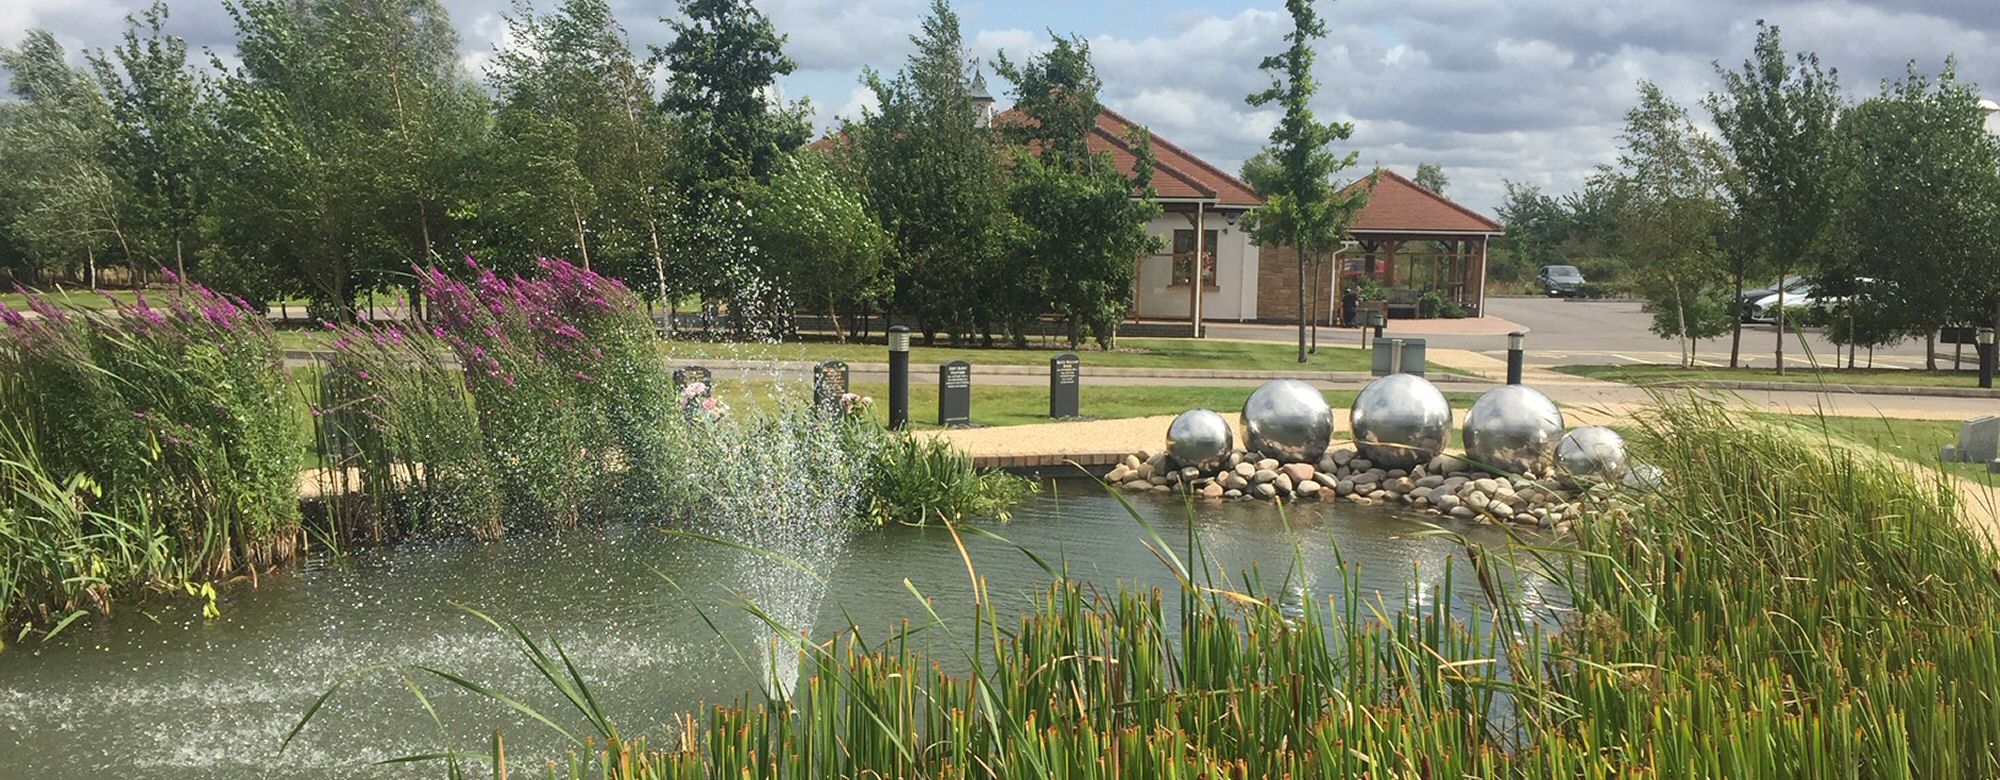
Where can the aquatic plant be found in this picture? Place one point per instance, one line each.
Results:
(171, 413)
(924, 479)
(1809, 612)
(572, 397)
(399, 442)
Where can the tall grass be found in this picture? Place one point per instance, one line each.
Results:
(171, 415)
(399, 440)
(1777, 609)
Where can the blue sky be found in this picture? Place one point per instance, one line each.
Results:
(1493, 90)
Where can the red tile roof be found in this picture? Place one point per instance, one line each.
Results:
(1177, 174)
(1398, 205)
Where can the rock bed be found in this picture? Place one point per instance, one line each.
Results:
(1446, 485)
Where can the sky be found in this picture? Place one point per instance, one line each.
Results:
(1530, 91)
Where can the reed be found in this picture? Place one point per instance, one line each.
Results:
(1778, 608)
(170, 415)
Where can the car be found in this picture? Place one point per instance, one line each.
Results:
(1747, 302)
(1562, 280)
(1804, 297)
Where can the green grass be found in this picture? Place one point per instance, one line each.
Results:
(1646, 374)
(1003, 405)
(1131, 353)
(82, 298)
(1914, 440)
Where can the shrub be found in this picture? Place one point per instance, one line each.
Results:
(920, 479)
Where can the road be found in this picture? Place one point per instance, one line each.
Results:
(1570, 332)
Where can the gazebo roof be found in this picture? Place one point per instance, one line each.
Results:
(1398, 205)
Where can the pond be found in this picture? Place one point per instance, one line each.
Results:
(157, 692)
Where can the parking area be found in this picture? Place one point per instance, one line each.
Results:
(1573, 332)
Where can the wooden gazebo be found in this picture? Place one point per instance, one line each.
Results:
(1415, 241)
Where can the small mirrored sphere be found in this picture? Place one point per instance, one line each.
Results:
(1288, 420)
(1513, 429)
(1645, 476)
(1400, 421)
(1592, 452)
(1200, 438)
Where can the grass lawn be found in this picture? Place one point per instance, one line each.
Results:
(82, 298)
(1654, 373)
(1914, 440)
(1131, 353)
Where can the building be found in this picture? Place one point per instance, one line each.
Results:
(1410, 239)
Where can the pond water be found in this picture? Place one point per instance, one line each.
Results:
(158, 692)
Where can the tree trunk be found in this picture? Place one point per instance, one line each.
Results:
(1930, 351)
(1315, 299)
(1781, 322)
(1736, 327)
(1302, 302)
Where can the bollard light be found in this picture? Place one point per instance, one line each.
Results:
(899, 377)
(1987, 357)
(1516, 355)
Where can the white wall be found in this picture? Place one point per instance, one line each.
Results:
(1235, 295)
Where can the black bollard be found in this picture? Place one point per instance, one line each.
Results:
(1986, 358)
(1515, 341)
(899, 377)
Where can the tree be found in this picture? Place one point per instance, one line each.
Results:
(67, 203)
(722, 66)
(1080, 229)
(1923, 211)
(1779, 118)
(1431, 177)
(583, 150)
(818, 235)
(1674, 210)
(933, 179)
(1302, 208)
(165, 133)
(354, 128)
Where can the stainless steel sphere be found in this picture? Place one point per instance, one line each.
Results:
(1288, 420)
(1200, 438)
(1513, 429)
(1592, 452)
(1400, 421)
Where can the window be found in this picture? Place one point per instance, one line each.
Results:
(1184, 256)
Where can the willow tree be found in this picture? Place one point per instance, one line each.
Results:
(1302, 207)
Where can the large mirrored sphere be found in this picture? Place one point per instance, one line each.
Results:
(1513, 429)
(1288, 420)
(1592, 452)
(1400, 421)
(1200, 438)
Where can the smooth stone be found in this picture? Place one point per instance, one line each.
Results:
(1245, 469)
(1235, 482)
(1325, 479)
(1145, 471)
(1447, 501)
(1460, 511)
(1212, 490)
(1299, 472)
(1308, 487)
(1264, 490)
(1446, 464)
(1268, 464)
(1360, 464)
(1138, 485)
(1119, 474)
(1394, 473)
(1485, 485)
(1131, 462)
(1363, 500)
(1146, 454)
(1162, 489)
(1158, 481)
(1364, 488)
(1500, 510)
(1430, 481)
(1343, 457)
(1190, 473)
(1344, 487)
(1478, 499)
(1262, 476)
(1398, 485)
(1283, 483)
(1378, 495)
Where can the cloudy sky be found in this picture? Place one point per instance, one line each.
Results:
(1493, 90)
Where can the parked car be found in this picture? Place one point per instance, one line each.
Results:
(1562, 280)
(1803, 298)
(1747, 302)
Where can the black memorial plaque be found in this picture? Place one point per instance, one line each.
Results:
(1065, 371)
(688, 375)
(955, 393)
(829, 384)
